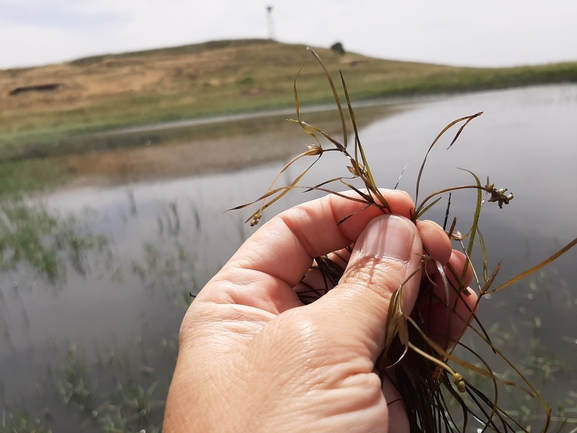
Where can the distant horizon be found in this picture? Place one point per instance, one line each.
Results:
(449, 32)
(261, 39)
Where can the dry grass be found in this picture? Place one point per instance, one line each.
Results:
(104, 92)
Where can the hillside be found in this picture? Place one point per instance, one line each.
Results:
(45, 104)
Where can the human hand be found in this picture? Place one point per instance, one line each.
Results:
(253, 358)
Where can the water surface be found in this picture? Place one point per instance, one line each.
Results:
(110, 330)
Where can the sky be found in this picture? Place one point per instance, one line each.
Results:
(455, 32)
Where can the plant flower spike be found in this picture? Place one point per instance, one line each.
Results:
(498, 195)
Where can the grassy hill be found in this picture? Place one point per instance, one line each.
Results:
(104, 92)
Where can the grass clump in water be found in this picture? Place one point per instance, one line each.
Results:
(45, 242)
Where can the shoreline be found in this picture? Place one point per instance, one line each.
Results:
(262, 114)
(199, 146)
(145, 92)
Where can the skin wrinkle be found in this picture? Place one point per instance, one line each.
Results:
(219, 380)
(367, 343)
(272, 230)
(379, 272)
(237, 328)
(348, 240)
(256, 256)
(269, 409)
(301, 240)
(343, 239)
(252, 282)
(363, 394)
(363, 402)
(348, 399)
(344, 374)
(442, 244)
(301, 334)
(335, 369)
(215, 381)
(224, 392)
(304, 340)
(339, 226)
(233, 313)
(246, 293)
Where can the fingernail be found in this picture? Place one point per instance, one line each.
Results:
(389, 236)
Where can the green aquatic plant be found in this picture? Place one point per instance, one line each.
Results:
(125, 405)
(170, 270)
(21, 423)
(75, 388)
(455, 395)
(46, 242)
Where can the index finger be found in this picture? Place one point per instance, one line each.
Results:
(272, 261)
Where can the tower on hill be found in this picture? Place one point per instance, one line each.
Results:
(270, 23)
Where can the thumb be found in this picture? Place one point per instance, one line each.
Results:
(387, 252)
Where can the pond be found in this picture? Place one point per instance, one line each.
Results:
(90, 317)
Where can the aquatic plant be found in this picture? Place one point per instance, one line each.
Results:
(46, 242)
(21, 423)
(125, 406)
(453, 392)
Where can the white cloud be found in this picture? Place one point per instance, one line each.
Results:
(492, 32)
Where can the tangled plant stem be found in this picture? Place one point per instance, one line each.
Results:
(411, 359)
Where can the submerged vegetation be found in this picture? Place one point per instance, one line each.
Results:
(460, 387)
(79, 385)
(107, 397)
(38, 239)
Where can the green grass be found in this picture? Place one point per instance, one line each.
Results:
(25, 176)
(222, 77)
(45, 243)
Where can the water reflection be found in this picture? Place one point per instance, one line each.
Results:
(111, 335)
(198, 149)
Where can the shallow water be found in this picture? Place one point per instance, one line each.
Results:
(116, 325)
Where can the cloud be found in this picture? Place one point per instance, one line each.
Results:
(55, 14)
(488, 33)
